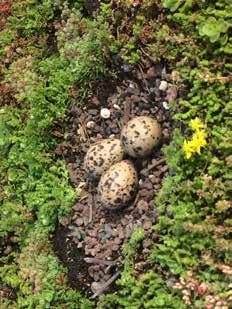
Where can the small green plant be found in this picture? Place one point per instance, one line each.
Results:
(215, 29)
(130, 53)
(31, 17)
(86, 48)
(212, 20)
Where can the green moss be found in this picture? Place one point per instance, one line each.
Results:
(36, 189)
(38, 278)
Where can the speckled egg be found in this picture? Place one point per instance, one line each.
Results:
(102, 155)
(140, 135)
(118, 185)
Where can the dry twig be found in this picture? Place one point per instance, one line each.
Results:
(105, 285)
(93, 260)
(157, 163)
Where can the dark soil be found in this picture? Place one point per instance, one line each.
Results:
(8, 245)
(7, 292)
(91, 231)
(77, 269)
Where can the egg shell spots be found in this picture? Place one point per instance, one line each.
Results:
(118, 185)
(140, 135)
(102, 155)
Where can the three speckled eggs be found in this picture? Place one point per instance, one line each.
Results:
(104, 159)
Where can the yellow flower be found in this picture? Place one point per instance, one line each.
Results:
(197, 144)
(200, 134)
(196, 124)
(187, 149)
(198, 139)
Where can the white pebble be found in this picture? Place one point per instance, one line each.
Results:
(116, 106)
(163, 85)
(105, 113)
(165, 105)
(90, 124)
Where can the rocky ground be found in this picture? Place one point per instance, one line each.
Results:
(89, 242)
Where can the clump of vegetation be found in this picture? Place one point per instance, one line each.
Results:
(40, 280)
(35, 185)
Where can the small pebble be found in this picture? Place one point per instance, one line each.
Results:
(147, 185)
(164, 72)
(152, 89)
(79, 222)
(95, 286)
(165, 105)
(170, 282)
(151, 72)
(124, 222)
(92, 233)
(114, 99)
(131, 85)
(154, 179)
(140, 266)
(171, 93)
(144, 192)
(90, 124)
(120, 232)
(117, 241)
(147, 225)
(105, 113)
(130, 90)
(163, 85)
(164, 168)
(8, 249)
(128, 232)
(86, 220)
(93, 112)
(144, 172)
(126, 67)
(115, 247)
(142, 203)
(96, 276)
(95, 101)
(147, 243)
(116, 106)
(80, 245)
(99, 136)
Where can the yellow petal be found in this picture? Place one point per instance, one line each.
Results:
(196, 124)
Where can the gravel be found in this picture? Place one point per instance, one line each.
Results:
(100, 233)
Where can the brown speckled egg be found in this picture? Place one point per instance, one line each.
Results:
(140, 135)
(118, 185)
(102, 155)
